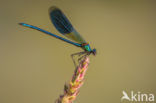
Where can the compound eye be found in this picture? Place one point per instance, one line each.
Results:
(94, 51)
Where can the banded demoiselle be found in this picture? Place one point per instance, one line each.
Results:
(63, 25)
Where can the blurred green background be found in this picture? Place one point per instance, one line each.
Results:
(34, 67)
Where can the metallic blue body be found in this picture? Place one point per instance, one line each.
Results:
(56, 36)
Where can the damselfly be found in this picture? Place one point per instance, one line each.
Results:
(63, 25)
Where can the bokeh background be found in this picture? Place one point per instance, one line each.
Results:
(34, 67)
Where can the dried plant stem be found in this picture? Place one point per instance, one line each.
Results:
(71, 90)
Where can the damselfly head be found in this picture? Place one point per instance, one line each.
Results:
(94, 51)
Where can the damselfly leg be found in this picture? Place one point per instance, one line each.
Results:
(77, 54)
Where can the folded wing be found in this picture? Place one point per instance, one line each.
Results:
(63, 25)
